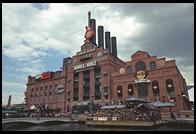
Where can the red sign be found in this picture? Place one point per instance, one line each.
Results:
(45, 75)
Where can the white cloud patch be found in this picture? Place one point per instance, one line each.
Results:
(12, 86)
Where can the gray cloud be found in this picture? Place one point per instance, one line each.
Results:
(169, 30)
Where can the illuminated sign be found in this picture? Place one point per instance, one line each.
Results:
(140, 75)
(142, 81)
(102, 118)
(85, 65)
(85, 52)
(43, 76)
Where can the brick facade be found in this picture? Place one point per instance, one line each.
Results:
(108, 81)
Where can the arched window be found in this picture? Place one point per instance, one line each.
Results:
(153, 65)
(155, 88)
(129, 70)
(170, 87)
(140, 66)
(130, 90)
(119, 92)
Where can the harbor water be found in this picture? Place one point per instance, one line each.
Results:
(59, 126)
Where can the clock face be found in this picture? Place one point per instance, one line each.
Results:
(122, 70)
(161, 63)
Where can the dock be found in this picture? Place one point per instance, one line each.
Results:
(125, 123)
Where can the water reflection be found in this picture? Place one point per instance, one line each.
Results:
(83, 127)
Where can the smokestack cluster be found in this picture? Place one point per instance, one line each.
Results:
(110, 43)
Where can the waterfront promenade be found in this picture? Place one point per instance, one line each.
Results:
(36, 121)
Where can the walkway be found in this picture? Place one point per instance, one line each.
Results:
(34, 120)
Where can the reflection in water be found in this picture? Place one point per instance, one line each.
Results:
(83, 127)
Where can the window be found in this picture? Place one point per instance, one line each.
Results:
(76, 87)
(142, 89)
(130, 90)
(152, 65)
(140, 66)
(155, 88)
(86, 85)
(105, 92)
(97, 77)
(119, 92)
(129, 70)
(170, 87)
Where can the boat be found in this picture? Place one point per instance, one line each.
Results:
(135, 115)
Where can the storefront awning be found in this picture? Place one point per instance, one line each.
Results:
(113, 107)
(134, 99)
(163, 104)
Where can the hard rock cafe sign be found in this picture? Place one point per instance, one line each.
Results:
(141, 75)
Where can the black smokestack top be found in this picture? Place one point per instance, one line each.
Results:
(114, 47)
(93, 25)
(100, 37)
(107, 41)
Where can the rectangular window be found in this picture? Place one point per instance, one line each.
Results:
(86, 85)
(76, 87)
(142, 90)
(97, 77)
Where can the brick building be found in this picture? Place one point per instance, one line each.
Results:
(97, 74)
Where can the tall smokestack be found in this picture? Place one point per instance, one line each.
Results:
(93, 25)
(9, 101)
(114, 47)
(100, 37)
(107, 41)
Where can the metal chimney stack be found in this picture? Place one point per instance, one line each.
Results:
(93, 25)
(100, 37)
(9, 101)
(114, 47)
(107, 41)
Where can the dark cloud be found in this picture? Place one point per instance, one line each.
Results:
(169, 29)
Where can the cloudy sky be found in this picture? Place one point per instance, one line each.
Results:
(36, 37)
